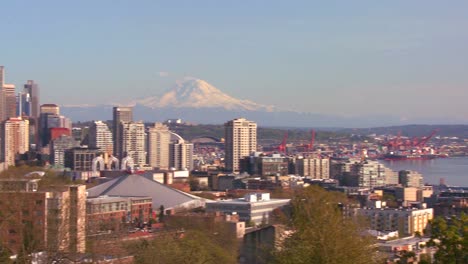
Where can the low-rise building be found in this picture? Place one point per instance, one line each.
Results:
(254, 207)
(53, 219)
(407, 221)
(259, 164)
(314, 168)
(109, 212)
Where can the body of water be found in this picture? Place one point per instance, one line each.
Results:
(453, 170)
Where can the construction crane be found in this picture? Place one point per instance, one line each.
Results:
(310, 146)
(422, 142)
(282, 146)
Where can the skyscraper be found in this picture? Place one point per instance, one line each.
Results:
(7, 98)
(120, 114)
(133, 141)
(10, 100)
(159, 138)
(16, 139)
(49, 118)
(240, 140)
(181, 155)
(100, 136)
(31, 89)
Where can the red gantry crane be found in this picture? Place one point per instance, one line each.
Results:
(282, 146)
(310, 146)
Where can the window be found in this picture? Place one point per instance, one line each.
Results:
(38, 202)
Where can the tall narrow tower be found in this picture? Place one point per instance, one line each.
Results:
(133, 141)
(16, 139)
(32, 91)
(181, 154)
(120, 114)
(240, 140)
(7, 98)
(159, 138)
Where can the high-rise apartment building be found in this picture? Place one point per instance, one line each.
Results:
(240, 141)
(181, 155)
(159, 138)
(133, 141)
(16, 139)
(120, 114)
(100, 136)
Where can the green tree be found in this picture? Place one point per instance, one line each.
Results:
(450, 239)
(322, 234)
(195, 247)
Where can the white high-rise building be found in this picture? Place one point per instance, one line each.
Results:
(181, 155)
(100, 136)
(16, 139)
(240, 141)
(159, 138)
(133, 141)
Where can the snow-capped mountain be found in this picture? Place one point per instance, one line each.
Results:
(196, 93)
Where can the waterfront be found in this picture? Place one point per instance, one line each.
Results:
(453, 170)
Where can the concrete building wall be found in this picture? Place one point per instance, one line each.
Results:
(240, 140)
(158, 146)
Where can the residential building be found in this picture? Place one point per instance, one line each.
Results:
(240, 140)
(15, 139)
(181, 155)
(314, 168)
(407, 221)
(159, 138)
(120, 114)
(133, 141)
(254, 207)
(100, 136)
(410, 179)
(364, 174)
(55, 219)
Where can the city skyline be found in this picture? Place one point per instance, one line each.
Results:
(404, 59)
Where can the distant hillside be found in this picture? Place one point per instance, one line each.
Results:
(264, 134)
(460, 131)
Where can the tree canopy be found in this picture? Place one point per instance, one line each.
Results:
(451, 239)
(322, 234)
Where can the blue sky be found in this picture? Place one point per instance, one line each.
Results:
(402, 58)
